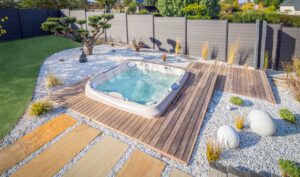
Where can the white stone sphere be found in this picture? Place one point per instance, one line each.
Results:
(261, 123)
(228, 137)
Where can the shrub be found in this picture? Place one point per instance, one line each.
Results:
(236, 100)
(287, 115)
(132, 6)
(177, 47)
(205, 51)
(239, 122)
(213, 151)
(293, 79)
(143, 11)
(248, 6)
(138, 45)
(289, 168)
(232, 52)
(40, 107)
(52, 81)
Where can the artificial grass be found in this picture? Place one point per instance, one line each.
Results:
(20, 63)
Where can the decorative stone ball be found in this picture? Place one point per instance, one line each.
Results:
(228, 137)
(261, 123)
(228, 107)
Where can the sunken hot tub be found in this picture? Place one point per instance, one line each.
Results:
(141, 88)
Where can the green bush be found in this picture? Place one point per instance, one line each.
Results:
(143, 11)
(287, 115)
(289, 168)
(236, 100)
(40, 107)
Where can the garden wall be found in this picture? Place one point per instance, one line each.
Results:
(24, 23)
(118, 30)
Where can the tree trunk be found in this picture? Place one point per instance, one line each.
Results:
(87, 48)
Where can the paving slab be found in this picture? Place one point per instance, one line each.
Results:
(50, 161)
(178, 173)
(100, 159)
(14, 153)
(142, 165)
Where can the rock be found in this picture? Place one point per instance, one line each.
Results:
(228, 137)
(261, 123)
(228, 107)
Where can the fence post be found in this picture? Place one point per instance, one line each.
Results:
(226, 40)
(185, 36)
(153, 30)
(127, 37)
(263, 44)
(256, 44)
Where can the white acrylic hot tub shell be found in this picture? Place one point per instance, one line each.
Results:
(148, 111)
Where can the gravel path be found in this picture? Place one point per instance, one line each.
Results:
(254, 153)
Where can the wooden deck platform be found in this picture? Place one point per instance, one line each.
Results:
(175, 133)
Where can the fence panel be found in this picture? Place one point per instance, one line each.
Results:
(272, 43)
(289, 44)
(167, 30)
(141, 27)
(118, 30)
(212, 32)
(79, 14)
(12, 26)
(31, 20)
(65, 12)
(245, 36)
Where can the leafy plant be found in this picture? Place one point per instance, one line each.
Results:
(236, 100)
(233, 51)
(132, 6)
(287, 115)
(177, 47)
(289, 168)
(40, 107)
(247, 6)
(2, 31)
(205, 51)
(213, 151)
(52, 80)
(266, 60)
(143, 11)
(138, 45)
(64, 26)
(239, 122)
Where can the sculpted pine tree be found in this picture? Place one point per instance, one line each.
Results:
(65, 26)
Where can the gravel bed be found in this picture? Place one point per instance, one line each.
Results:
(254, 153)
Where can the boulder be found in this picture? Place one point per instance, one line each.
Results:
(228, 137)
(261, 123)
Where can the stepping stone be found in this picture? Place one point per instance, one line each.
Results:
(100, 159)
(14, 153)
(142, 165)
(178, 173)
(49, 162)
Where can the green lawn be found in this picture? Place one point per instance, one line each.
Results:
(20, 62)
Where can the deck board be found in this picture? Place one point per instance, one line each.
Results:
(173, 134)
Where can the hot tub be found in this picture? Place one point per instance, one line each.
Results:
(141, 88)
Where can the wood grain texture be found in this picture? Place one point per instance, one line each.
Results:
(14, 153)
(50, 161)
(178, 173)
(141, 165)
(100, 159)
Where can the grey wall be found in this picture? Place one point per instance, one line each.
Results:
(214, 32)
(246, 35)
(167, 30)
(118, 30)
(272, 43)
(141, 27)
(24, 23)
(289, 44)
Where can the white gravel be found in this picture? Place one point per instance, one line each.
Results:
(254, 153)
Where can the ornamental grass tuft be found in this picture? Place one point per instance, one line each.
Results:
(40, 107)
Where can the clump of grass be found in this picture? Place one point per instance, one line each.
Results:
(287, 115)
(293, 79)
(138, 45)
(289, 168)
(232, 51)
(266, 60)
(236, 100)
(40, 107)
(239, 122)
(205, 51)
(177, 46)
(52, 80)
(213, 151)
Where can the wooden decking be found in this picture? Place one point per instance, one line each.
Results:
(175, 133)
